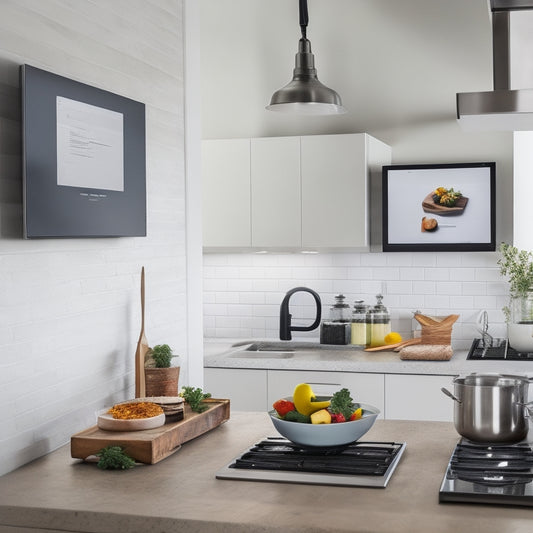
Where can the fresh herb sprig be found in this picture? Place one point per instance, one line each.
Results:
(342, 403)
(517, 265)
(114, 458)
(194, 397)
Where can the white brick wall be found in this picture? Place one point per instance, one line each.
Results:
(243, 292)
(70, 309)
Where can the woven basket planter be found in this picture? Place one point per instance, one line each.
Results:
(162, 381)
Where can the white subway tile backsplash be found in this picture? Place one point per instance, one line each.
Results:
(474, 288)
(437, 274)
(411, 273)
(433, 283)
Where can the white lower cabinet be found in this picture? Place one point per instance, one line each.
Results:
(368, 388)
(397, 396)
(246, 389)
(409, 397)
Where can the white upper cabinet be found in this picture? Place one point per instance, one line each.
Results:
(275, 183)
(334, 191)
(226, 193)
(291, 193)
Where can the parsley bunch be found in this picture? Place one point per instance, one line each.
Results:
(114, 458)
(342, 403)
(194, 398)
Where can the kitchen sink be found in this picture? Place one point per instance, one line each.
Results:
(265, 350)
(284, 349)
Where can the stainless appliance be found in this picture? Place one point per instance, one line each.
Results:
(491, 407)
(489, 473)
(365, 464)
(499, 350)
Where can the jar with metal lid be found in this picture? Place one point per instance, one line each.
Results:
(378, 323)
(336, 329)
(358, 326)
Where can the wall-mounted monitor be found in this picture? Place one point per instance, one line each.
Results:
(84, 159)
(439, 207)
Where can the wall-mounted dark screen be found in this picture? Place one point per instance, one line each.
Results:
(84, 159)
(439, 207)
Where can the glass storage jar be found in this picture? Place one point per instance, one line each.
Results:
(520, 325)
(336, 329)
(358, 327)
(378, 324)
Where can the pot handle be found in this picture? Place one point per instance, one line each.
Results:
(452, 396)
(528, 409)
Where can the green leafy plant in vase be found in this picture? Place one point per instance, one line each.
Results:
(517, 266)
(161, 378)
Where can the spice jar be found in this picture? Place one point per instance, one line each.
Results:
(358, 326)
(336, 330)
(378, 324)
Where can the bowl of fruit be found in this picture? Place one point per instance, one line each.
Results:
(311, 421)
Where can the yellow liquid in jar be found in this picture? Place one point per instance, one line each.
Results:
(378, 333)
(358, 334)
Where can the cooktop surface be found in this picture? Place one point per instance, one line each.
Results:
(489, 473)
(277, 459)
(499, 349)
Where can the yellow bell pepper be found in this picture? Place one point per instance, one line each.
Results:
(303, 397)
(357, 414)
(321, 417)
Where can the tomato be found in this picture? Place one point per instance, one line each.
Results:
(282, 407)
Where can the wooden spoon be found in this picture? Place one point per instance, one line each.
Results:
(389, 347)
(142, 350)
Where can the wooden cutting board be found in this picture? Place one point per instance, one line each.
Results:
(429, 206)
(152, 445)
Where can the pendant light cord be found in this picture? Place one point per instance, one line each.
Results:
(304, 18)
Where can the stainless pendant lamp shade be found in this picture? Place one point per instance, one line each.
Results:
(305, 94)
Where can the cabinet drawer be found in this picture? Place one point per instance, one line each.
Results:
(246, 389)
(416, 397)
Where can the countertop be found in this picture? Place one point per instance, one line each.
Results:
(220, 353)
(181, 493)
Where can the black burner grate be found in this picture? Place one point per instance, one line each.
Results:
(495, 465)
(359, 458)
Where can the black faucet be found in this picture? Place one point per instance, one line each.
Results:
(285, 317)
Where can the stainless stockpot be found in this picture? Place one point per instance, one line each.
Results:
(491, 407)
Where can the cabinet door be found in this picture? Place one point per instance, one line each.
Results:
(334, 191)
(409, 397)
(276, 202)
(226, 193)
(246, 389)
(365, 388)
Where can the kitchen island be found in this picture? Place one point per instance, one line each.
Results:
(181, 493)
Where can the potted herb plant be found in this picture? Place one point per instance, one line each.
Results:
(517, 266)
(161, 377)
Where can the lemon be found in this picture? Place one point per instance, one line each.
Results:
(393, 337)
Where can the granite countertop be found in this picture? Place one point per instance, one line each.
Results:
(229, 353)
(181, 493)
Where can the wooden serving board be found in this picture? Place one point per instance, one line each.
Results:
(152, 445)
(429, 206)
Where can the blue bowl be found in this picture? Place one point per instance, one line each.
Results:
(326, 435)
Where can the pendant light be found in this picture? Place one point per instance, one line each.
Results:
(305, 95)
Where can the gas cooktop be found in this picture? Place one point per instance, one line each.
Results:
(498, 350)
(368, 464)
(489, 473)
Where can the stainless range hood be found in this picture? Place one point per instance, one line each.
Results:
(510, 105)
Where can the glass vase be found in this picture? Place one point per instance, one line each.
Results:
(520, 325)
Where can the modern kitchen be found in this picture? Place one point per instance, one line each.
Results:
(374, 249)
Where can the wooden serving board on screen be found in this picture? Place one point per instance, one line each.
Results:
(152, 445)
(429, 206)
